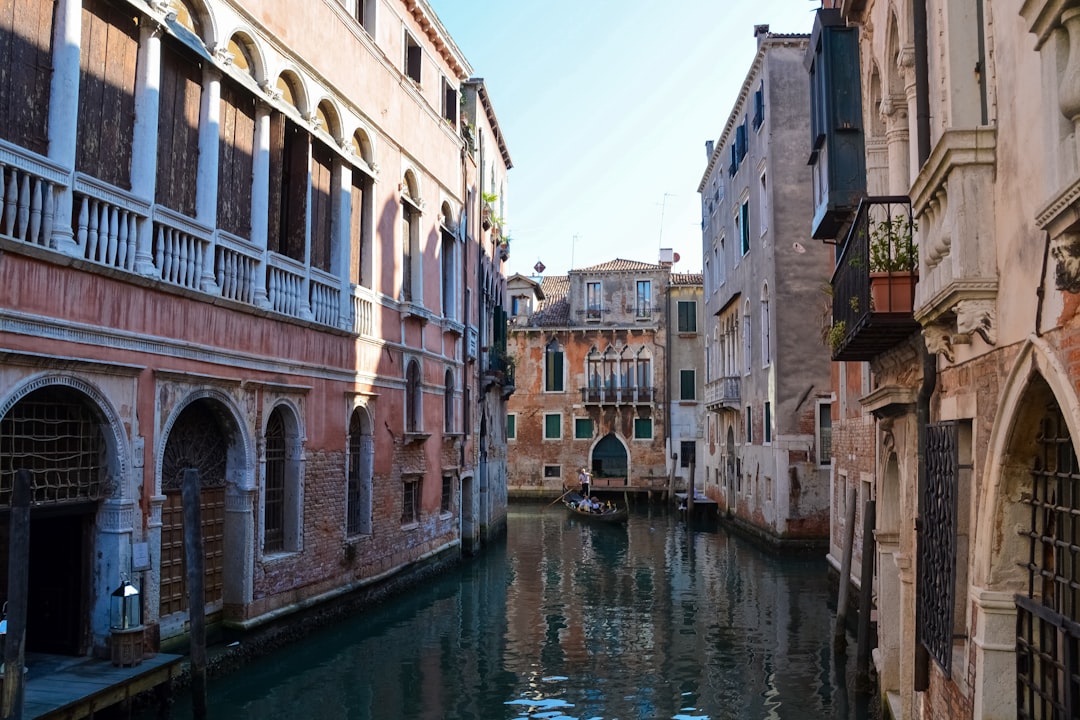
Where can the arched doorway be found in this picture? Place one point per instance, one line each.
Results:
(610, 461)
(55, 432)
(200, 439)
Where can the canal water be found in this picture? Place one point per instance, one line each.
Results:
(569, 620)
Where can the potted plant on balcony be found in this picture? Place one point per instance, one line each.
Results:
(893, 264)
(487, 212)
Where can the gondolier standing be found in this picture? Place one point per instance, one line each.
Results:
(584, 478)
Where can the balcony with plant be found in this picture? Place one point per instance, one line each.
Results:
(873, 286)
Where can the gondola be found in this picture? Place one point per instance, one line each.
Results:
(612, 514)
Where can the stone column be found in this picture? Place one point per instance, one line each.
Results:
(239, 549)
(995, 655)
(1069, 85)
(897, 135)
(906, 567)
(144, 138)
(260, 199)
(206, 196)
(152, 591)
(342, 229)
(888, 653)
(112, 562)
(64, 114)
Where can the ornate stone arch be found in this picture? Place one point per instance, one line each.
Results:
(197, 17)
(239, 474)
(363, 146)
(247, 54)
(290, 83)
(119, 484)
(1036, 364)
(1037, 380)
(328, 118)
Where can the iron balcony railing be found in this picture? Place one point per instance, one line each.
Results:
(873, 286)
(617, 395)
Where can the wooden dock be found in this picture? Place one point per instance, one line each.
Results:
(68, 688)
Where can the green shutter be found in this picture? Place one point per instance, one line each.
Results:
(686, 384)
(511, 427)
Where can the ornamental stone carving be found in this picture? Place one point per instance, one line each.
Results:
(977, 316)
(939, 341)
(1066, 252)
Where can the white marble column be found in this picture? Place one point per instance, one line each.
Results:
(64, 114)
(342, 243)
(260, 198)
(206, 197)
(145, 136)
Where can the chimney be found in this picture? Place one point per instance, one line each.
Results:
(709, 145)
(760, 30)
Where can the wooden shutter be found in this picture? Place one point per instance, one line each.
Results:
(277, 183)
(235, 159)
(26, 28)
(294, 191)
(322, 166)
(356, 229)
(109, 51)
(178, 129)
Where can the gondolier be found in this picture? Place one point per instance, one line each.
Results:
(584, 478)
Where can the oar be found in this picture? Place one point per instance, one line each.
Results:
(568, 491)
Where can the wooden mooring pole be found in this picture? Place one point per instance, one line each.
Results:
(866, 592)
(193, 554)
(11, 697)
(840, 629)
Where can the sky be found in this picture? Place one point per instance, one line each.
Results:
(605, 106)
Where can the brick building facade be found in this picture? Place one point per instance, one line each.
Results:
(245, 240)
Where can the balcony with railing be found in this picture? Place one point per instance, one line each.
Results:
(724, 392)
(617, 395)
(499, 371)
(873, 286)
(113, 231)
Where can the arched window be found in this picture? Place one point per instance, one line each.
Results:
(644, 370)
(766, 335)
(412, 397)
(553, 367)
(281, 483)
(447, 228)
(448, 402)
(411, 290)
(360, 473)
(747, 332)
(594, 368)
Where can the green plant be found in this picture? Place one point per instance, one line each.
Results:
(892, 248)
(489, 198)
(835, 335)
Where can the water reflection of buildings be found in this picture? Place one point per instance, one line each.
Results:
(651, 603)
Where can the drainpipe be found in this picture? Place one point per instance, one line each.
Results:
(929, 361)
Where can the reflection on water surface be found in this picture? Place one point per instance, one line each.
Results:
(574, 621)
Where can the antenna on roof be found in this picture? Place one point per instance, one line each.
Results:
(663, 206)
(573, 244)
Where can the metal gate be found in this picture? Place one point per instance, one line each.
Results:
(1047, 628)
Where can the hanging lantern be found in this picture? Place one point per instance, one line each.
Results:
(126, 609)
